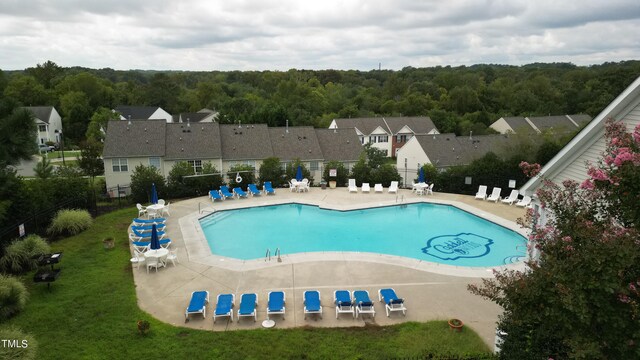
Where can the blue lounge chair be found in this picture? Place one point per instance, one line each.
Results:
(138, 221)
(214, 195)
(224, 191)
(248, 304)
(223, 307)
(253, 190)
(147, 228)
(267, 188)
(275, 305)
(239, 192)
(197, 305)
(140, 236)
(342, 299)
(391, 301)
(363, 303)
(143, 245)
(312, 303)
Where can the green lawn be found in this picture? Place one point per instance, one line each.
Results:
(67, 153)
(91, 313)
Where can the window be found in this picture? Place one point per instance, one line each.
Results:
(154, 162)
(361, 139)
(42, 128)
(120, 165)
(383, 138)
(372, 139)
(197, 166)
(313, 166)
(401, 138)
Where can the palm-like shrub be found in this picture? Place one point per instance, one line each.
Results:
(18, 256)
(13, 297)
(27, 349)
(70, 222)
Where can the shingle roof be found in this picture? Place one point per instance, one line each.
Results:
(136, 112)
(365, 125)
(339, 144)
(192, 117)
(419, 124)
(449, 150)
(247, 142)
(141, 138)
(581, 119)
(41, 112)
(196, 141)
(519, 125)
(556, 123)
(299, 143)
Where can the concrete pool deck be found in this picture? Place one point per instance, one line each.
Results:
(431, 291)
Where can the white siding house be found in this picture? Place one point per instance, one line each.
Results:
(48, 123)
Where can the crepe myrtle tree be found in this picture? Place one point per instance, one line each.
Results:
(579, 298)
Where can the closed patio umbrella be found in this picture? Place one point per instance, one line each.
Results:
(421, 176)
(155, 243)
(154, 194)
(299, 173)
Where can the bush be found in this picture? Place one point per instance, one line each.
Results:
(342, 173)
(385, 174)
(270, 170)
(13, 297)
(246, 172)
(27, 348)
(70, 222)
(18, 256)
(292, 170)
(141, 180)
(181, 186)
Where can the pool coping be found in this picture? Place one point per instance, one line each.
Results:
(198, 249)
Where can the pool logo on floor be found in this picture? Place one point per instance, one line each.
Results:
(454, 247)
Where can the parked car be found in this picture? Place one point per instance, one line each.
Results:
(45, 148)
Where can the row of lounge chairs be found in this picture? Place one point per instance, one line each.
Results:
(346, 303)
(237, 192)
(352, 187)
(513, 198)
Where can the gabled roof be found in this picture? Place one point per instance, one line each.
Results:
(444, 150)
(339, 144)
(41, 112)
(365, 125)
(245, 142)
(418, 124)
(519, 125)
(136, 112)
(581, 119)
(580, 143)
(193, 141)
(141, 138)
(300, 142)
(557, 123)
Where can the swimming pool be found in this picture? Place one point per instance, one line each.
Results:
(428, 232)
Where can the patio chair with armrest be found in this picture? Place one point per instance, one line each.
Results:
(224, 306)
(344, 305)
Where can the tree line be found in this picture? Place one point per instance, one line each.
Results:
(458, 99)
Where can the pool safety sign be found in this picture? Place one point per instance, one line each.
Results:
(453, 247)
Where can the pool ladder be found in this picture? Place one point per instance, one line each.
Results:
(267, 255)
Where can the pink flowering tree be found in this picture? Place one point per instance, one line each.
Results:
(580, 298)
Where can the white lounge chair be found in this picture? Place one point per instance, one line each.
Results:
(344, 304)
(513, 197)
(378, 188)
(197, 304)
(526, 201)
(393, 188)
(482, 192)
(391, 301)
(495, 194)
(352, 186)
(366, 188)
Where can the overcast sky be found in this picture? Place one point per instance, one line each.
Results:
(344, 34)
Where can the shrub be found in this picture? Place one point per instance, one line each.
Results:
(18, 256)
(181, 186)
(270, 170)
(246, 172)
(26, 349)
(13, 297)
(385, 174)
(342, 173)
(70, 222)
(141, 180)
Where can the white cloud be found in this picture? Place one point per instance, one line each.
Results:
(270, 34)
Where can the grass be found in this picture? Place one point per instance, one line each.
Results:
(91, 313)
(67, 153)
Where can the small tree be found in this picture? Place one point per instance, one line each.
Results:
(581, 298)
(430, 173)
(270, 170)
(292, 170)
(361, 171)
(44, 169)
(181, 185)
(141, 180)
(90, 160)
(342, 176)
(375, 156)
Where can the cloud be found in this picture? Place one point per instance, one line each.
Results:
(347, 34)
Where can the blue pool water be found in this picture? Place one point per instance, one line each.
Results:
(429, 232)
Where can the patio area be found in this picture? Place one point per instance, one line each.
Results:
(431, 291)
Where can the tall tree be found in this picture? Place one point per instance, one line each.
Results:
(45, 73)
(26, 90)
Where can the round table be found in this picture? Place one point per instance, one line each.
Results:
(158, 254)
(155, 209)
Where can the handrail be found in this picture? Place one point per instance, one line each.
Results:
(267, 255)
(277, 253)
(200, 210)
